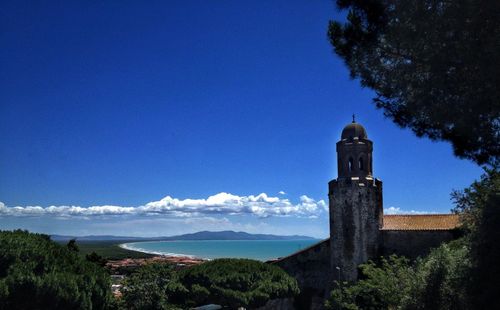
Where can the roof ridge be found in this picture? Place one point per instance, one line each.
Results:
(416, 229)
(430, 214)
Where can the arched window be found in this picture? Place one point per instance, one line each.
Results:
(360, 163)
(351, 164)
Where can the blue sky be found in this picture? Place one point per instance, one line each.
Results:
(116, 105)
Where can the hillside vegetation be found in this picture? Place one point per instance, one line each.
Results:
(37, 273)
(230, 282)
(108, 250)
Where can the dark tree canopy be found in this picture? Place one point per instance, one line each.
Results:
(434, 282)
(232, 283)
(479, 209)
(152, 287)
(434, 65)
(37, 273)
(237, 283)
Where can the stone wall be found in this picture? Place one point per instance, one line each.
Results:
(355, 221)
(311, 268)
(414, 243)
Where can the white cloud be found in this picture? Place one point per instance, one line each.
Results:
(282, 193)
(397, 210)
(260, 205)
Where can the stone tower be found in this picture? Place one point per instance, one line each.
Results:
(356, 211)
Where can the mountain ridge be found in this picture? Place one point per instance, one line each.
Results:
(200, 235)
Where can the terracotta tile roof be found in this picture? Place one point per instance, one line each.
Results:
(421, 222)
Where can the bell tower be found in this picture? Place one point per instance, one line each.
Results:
(355, 202)
(354, 152)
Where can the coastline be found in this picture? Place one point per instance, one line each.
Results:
(176, 255)
(264, 250)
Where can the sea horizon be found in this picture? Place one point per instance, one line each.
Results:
(262, 250)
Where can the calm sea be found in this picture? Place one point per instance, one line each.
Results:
(255, 249)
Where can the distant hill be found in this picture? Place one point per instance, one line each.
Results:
(233, 235)
(201, 235)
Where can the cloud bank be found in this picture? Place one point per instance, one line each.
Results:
(222, 203)
(397, 210)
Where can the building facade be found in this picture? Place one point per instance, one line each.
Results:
(359, 230)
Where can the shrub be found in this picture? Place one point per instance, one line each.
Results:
(383, 286)
(437, 281)
(236, 283)
(151, 287)
(441, 279)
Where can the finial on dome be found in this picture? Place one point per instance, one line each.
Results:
(354, 118)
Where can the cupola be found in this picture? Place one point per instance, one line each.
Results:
(354, 152)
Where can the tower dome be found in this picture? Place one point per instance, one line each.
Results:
(354, 131)
(354, 152)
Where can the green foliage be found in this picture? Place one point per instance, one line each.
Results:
(36, 273)
(72, 245)
(480, 209)
(434, 282)
(433, 64)
(470, 202)
(229, 282)
(383, 286)
(151, 287)
(441, 279)
(237, 283)
(485, 255)
(96, 258)
(108, 249)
